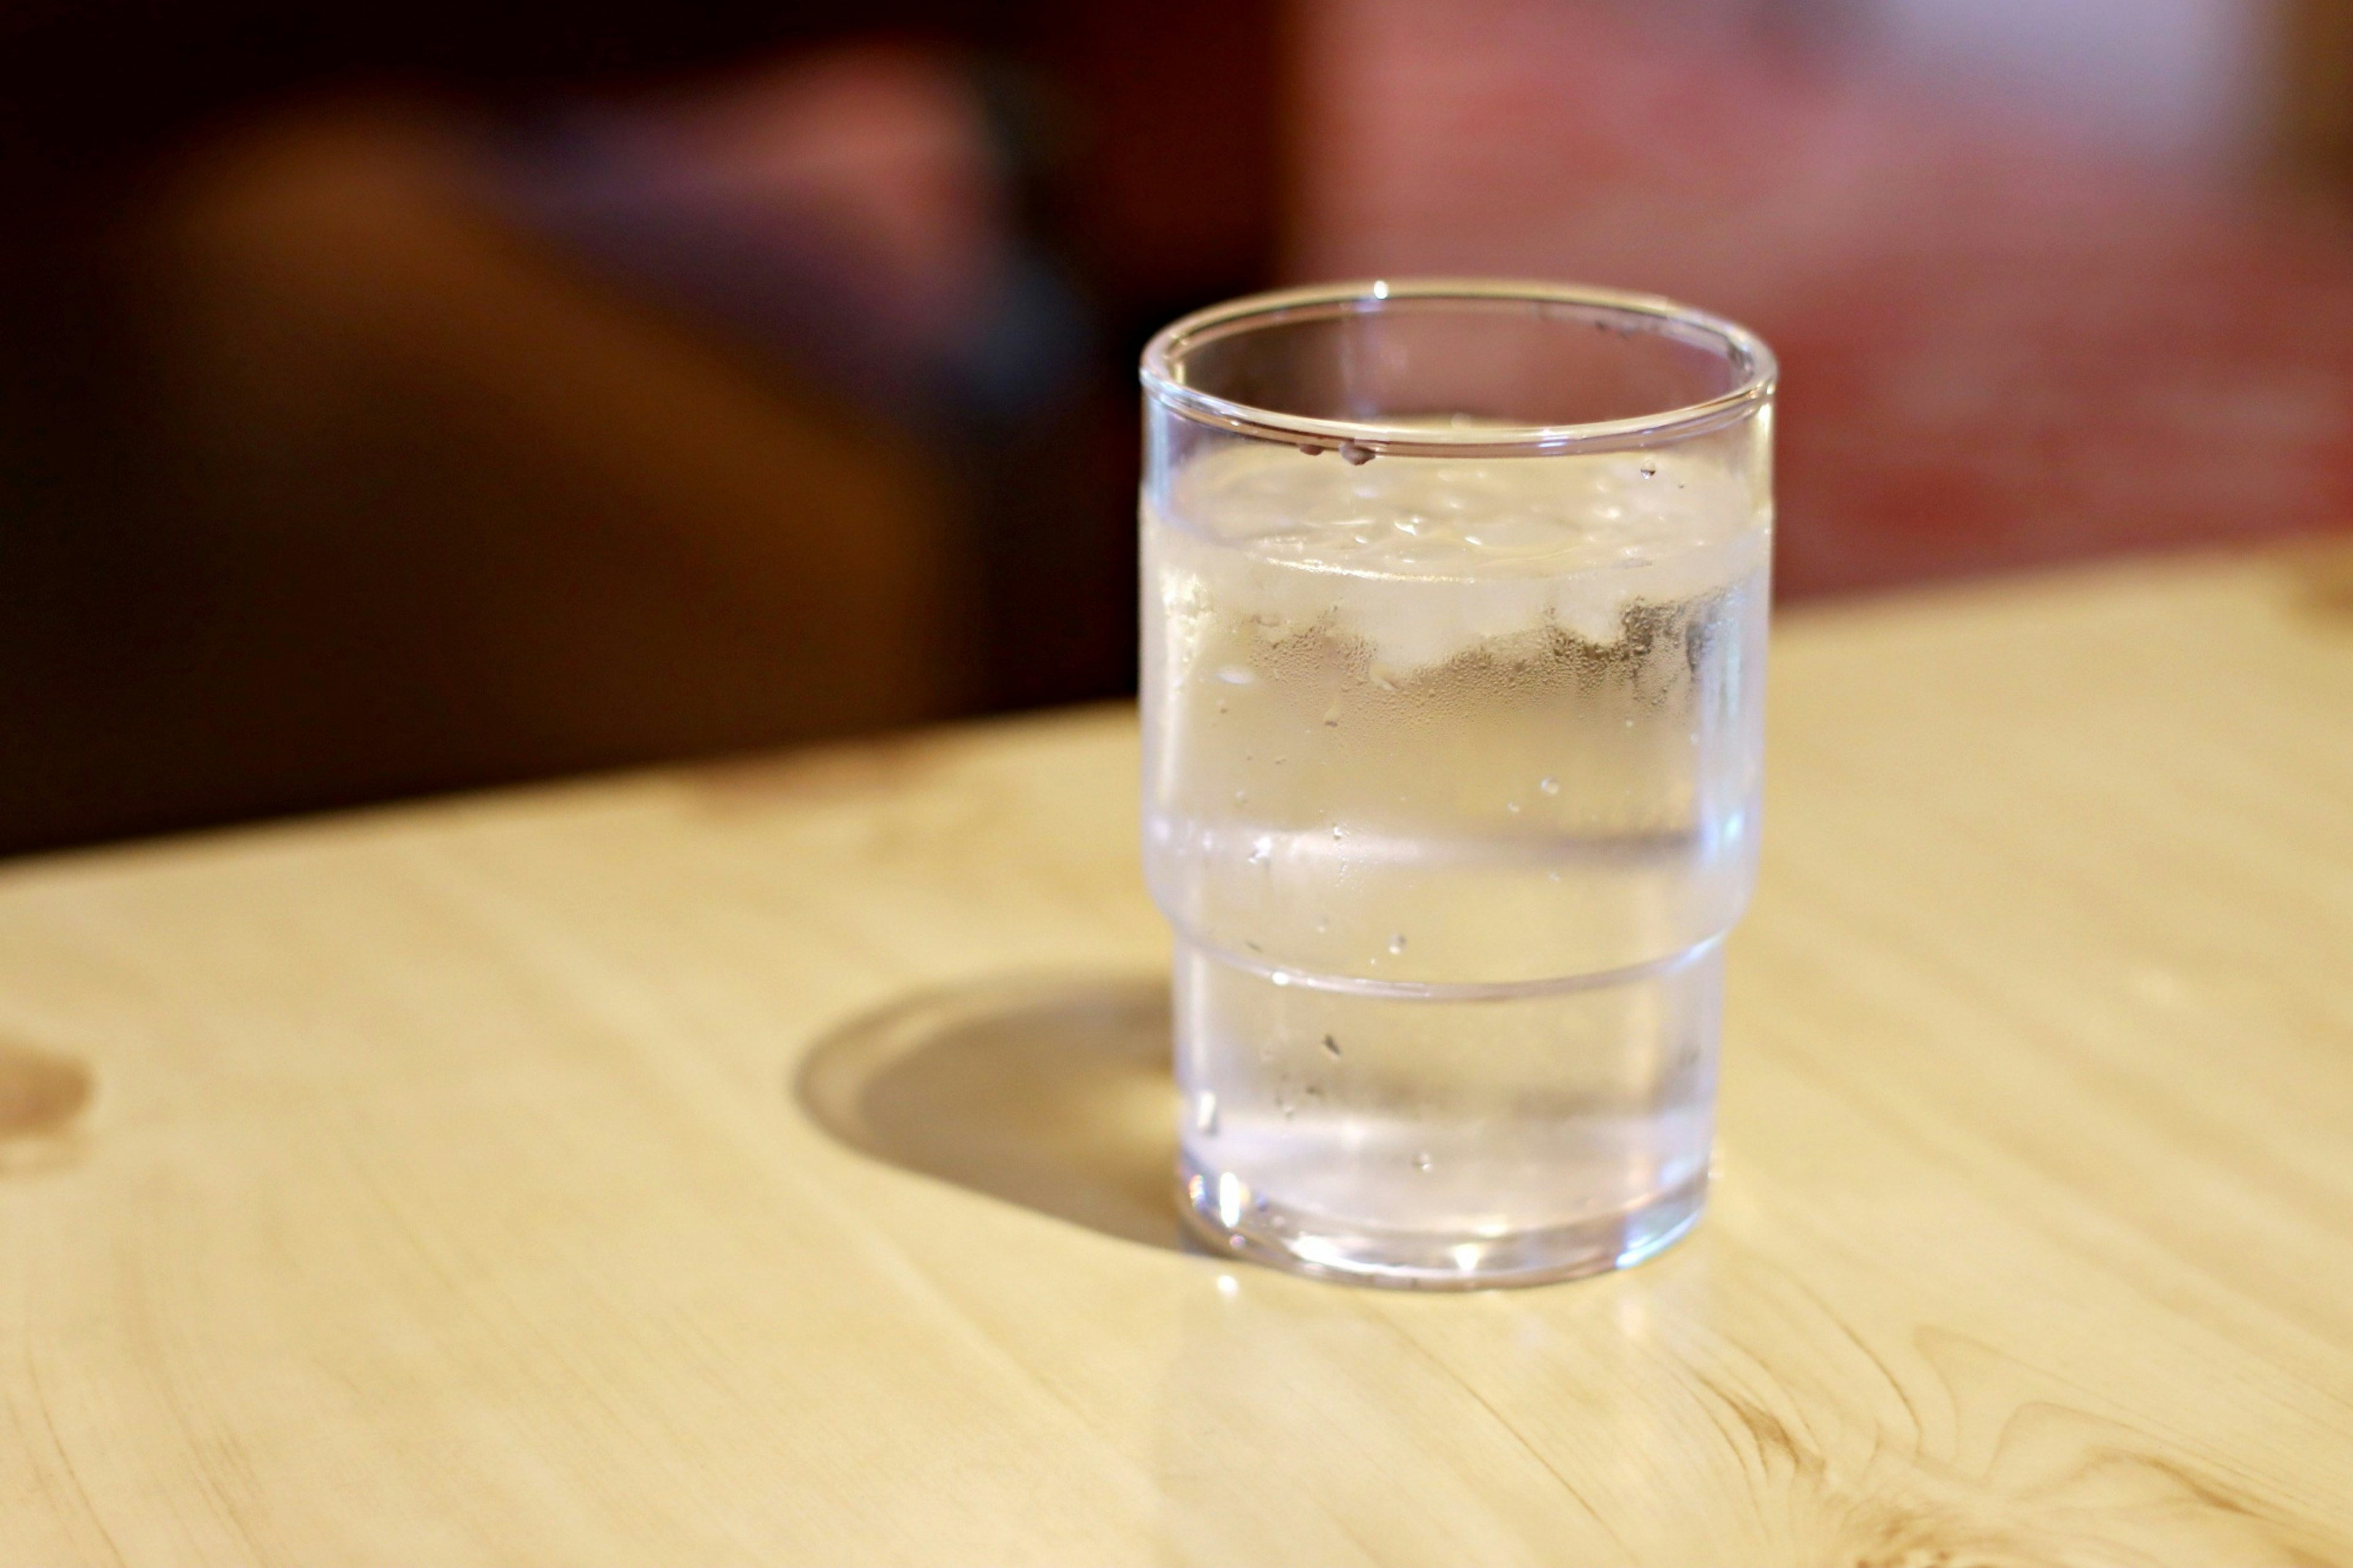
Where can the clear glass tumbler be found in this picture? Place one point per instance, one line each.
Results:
(1454, 605)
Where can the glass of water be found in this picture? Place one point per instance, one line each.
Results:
(1454, 605)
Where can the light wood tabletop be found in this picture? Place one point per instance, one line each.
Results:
(768, 1163)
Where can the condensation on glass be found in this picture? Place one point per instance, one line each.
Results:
(1454, 610)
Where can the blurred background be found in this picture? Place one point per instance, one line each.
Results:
(395, 399)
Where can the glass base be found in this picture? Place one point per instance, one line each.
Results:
(1274, 1234)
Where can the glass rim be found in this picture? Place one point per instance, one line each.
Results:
(1161, 370)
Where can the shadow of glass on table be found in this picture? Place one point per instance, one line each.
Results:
(1053, 1092)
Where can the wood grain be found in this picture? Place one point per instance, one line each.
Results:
(615, 1172)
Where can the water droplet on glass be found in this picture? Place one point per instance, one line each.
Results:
(1422, 1162)
(1331, 1045)
(1311, 449)
(1549, 787)
(1356, 455)
(1396, 942)
(1261, 849)
(1512, 806)
(1241, 796)
(1331, 717)
(1649, 470)
(1338, 832)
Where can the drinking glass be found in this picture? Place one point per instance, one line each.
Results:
(1454, 609)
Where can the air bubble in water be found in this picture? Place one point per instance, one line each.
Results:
(1549, 787)
(1396, 942)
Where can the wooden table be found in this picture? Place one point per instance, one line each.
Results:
(765, 1163)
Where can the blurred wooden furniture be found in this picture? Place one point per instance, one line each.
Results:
(680, 1168)
(411, 504)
